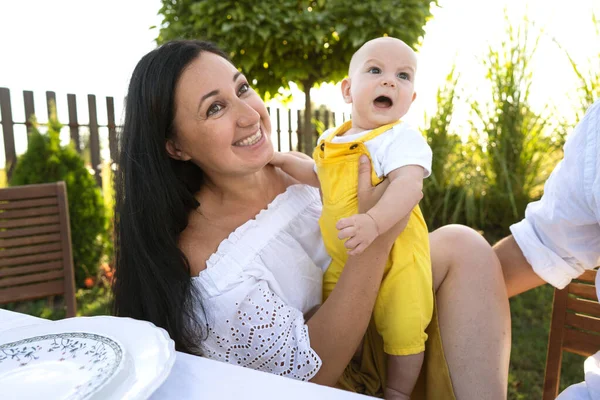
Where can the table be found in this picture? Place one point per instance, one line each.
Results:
(200, 378)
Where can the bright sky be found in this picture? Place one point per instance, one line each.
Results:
(91, 46)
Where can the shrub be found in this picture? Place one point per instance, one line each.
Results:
(47, 161)
(521, 145)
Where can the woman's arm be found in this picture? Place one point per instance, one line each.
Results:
(519, 276)
(559, 238)
(300, 168)
(402, 195)
(338, 326)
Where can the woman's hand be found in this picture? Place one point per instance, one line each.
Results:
(369, 195)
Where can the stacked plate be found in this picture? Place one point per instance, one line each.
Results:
(84, 358)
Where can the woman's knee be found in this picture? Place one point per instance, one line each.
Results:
(461, 238)
(461, 246)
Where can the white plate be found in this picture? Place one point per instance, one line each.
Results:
(70, 365)
(148, 351)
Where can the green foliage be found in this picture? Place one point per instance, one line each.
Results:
(589, 78)
(90, 302)
(486, 181)
(521, 146)
(531, 314)
(307, 42)
(47, 161)
(445, 198)
(290, 40)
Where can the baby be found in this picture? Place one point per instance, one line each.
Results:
(380, 87)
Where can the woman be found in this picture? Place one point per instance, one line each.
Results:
(210, 236)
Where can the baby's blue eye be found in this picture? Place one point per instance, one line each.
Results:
(404, 75)
(374, 70)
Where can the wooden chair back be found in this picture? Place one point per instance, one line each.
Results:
(35, 244)
(575, 327)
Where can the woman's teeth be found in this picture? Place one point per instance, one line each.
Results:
(249, 141)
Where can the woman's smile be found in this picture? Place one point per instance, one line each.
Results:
(250, 140)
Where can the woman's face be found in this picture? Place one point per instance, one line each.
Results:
(221, 124)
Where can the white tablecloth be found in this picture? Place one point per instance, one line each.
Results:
(199, 378)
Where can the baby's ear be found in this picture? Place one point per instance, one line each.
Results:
(175, 151)
(414, 96)
(346, 91)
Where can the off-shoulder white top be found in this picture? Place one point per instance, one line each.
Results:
(260, 282)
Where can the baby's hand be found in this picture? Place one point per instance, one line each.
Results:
(360, 230)
(277, 159)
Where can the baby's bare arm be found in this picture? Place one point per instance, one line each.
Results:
(398, 200)
(300, 168)
(402, 195)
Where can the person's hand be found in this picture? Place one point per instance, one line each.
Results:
(277, 159)
(369, 195)
(360, 230)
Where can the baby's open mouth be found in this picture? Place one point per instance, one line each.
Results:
(383, 102)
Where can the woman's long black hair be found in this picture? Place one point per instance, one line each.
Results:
(154, 196)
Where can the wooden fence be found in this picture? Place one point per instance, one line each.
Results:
(285, 138)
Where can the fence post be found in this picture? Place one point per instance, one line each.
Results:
(278, 130)
(50, 99)
(112, 129)
(94, 139)
(29, 109)
(73, 124)
(299, 131)
(8, 132)
(290, 148)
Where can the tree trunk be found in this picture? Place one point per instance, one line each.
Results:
(308, 129)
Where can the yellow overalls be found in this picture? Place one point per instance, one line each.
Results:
(405, 303)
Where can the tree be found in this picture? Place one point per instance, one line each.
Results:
(306, 42)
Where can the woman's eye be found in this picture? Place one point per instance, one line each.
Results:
(404, 75)
(243, 89)
(213, 109)
(374, 70)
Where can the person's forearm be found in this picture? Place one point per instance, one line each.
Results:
(396, 203)
(338, 326)
(301, 169)
(519, 275)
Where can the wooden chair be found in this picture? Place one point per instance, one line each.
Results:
(575, 327)
(36, 258)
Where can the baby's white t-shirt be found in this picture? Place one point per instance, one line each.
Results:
(397, 147)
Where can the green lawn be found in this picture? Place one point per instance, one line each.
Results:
(531, 314)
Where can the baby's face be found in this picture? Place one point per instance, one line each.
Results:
(381, 83)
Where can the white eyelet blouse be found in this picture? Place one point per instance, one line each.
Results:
(260, 282)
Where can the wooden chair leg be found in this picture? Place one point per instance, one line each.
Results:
(554, 355)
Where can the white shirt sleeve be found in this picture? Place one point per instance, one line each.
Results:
(560, 235)
(252, 327)
(404, 146)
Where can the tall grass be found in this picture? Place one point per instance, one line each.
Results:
(443, 198)
(588, 73)
(487, 180)
(521, 145)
